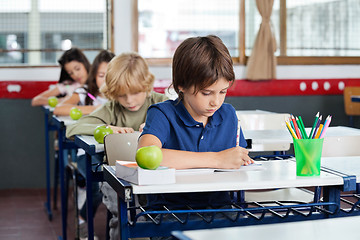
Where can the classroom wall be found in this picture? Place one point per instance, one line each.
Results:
(22, 126)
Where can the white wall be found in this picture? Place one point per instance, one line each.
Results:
(122, 43)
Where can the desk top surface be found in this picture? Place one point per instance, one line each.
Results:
(347, 165)
(273, 174)
(89, 144)
(325, 229)
(66, 120)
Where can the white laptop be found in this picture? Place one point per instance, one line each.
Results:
(121, 146)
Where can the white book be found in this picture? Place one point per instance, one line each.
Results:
(131, 172)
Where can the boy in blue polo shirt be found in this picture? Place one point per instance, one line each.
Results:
(197, 130)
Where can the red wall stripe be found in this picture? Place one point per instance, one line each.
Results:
(288, 87)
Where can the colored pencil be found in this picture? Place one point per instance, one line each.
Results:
(303, 127)
(91, 96)
(291, 130)
(238, 134)
(326, 125)
(317, 126)
(314, 125)
(296, 127)
(319, 131)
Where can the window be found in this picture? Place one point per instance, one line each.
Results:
(36, 32)
(306, 31)
(163, 25)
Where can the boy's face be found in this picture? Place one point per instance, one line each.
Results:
(132, 102)
(206, 102)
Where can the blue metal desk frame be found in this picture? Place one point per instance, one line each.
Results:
(49, 126)
(64, 145)
(90, 151)
(329, 207)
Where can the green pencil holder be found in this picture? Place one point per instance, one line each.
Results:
(308, 156)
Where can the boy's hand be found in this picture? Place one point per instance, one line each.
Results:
(233, 158)
(121, 129)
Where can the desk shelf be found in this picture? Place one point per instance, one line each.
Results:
(235, 212)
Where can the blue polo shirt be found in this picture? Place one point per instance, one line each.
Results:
(176, 129)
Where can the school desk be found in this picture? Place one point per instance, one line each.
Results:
(64, 144)
(347, 165)
(92, 149)
(275, 174)
(324, 229)
(355, 98)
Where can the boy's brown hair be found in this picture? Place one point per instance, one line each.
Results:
(127, 73)
(200, 62)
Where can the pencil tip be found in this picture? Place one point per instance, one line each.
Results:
(318, 113)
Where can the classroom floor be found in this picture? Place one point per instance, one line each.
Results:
(23, 216)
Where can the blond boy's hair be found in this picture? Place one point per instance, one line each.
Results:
(127, 73)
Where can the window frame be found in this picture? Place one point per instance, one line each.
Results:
(110, 40)
(242, 58)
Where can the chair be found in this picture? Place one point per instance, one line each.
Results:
(271, 121)
(351, 108)
(120, 147)
(341, 146)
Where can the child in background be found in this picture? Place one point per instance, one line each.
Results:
(80, 97)
(128, 87)
(74, 73)
(198, 130)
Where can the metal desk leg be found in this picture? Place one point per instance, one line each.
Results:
(62, 184)
(332, 194)
(89, 198)
(47, 162)
(123, 225)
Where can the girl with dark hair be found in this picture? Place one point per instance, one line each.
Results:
(74, 73)
(88, 97)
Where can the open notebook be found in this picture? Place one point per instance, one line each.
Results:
(256, 166)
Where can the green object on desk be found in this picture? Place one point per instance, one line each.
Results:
(308, 156)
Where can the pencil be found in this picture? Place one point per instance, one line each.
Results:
(326, 125)
(91, 96)
(314, 125)
(296, 127)
(319, 131)
(291, 130)
(317, 126)
(303, 127)
(238, 134)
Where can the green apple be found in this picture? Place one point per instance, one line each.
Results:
(75, 113)
(53, 101)
(149, 157)
(101, 131)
